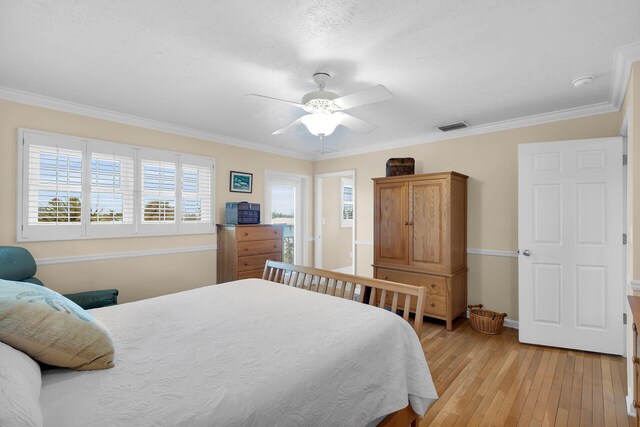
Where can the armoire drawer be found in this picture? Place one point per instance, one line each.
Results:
(259, 233)
(259, 247)
(436, 305)
(435, 285)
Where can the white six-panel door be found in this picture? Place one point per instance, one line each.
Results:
(570, 240)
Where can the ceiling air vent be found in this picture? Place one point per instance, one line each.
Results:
(453, 126)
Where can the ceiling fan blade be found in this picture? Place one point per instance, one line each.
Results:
(368, 96)
(354, 123)
(288, 128)
(296, 104)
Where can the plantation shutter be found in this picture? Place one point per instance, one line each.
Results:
(53, 169)
(112, 182)
(158, 191)
(196, 193)
(76, 188)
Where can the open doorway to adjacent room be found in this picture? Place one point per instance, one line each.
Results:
(335, 207)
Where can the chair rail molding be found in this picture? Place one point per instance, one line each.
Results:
(123, 255)
(492, 252)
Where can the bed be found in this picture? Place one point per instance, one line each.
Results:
(292, 348)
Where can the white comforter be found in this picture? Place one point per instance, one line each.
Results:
(243, 353)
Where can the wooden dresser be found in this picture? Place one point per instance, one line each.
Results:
(634, 304)
(244, 249)
(420, 238)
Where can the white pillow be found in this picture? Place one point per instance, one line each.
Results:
(20, 381)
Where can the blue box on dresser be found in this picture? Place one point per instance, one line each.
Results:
(242, 213)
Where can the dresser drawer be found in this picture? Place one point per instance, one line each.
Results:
(256, 262)
(251, 274)
(258, 233)
(259, 247)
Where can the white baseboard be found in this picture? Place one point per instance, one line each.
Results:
(513, 324)
(631, 411)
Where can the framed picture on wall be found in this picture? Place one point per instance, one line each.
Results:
(240, 182)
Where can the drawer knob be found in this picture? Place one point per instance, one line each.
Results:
(386, 277)
(246, 234)
(433, 305)
(636, 360)
(433, 285)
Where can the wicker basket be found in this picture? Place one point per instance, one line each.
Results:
(486, 321)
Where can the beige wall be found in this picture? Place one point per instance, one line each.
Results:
(138, 277)
(336, 240)
(632, 108)
(490, 160)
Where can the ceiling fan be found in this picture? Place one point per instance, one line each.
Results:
(326, 108)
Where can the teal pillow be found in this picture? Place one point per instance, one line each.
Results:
(52, 329)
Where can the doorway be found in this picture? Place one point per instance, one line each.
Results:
(335, 221)
(570, 235)
(285, 202)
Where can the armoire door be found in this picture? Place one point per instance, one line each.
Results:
(391, 219)
(427, 225)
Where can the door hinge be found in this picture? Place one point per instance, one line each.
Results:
(624, 160)
(624, 318)
(624, 238)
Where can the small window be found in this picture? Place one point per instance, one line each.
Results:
(72, 188)
(346, 202)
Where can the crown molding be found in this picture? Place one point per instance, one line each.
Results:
(436, 136)
(623, 59)
(128, 119)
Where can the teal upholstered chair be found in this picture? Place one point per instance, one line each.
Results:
(17, 264)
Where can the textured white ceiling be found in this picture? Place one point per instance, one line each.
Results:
(189, 63)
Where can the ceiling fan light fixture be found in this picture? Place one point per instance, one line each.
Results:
(321, 123)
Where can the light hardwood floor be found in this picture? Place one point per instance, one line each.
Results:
(494, 380)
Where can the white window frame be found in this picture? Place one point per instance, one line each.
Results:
(26, 232)
(346, 182)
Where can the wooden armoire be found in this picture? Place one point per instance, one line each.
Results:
(420, 237)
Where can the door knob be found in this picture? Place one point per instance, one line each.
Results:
(526, 252)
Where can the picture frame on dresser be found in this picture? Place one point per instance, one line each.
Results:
(240, 182)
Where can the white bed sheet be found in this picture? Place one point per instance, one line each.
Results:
(243, 353)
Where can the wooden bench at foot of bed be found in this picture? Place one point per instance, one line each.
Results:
(350, 287)
(353, 287)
